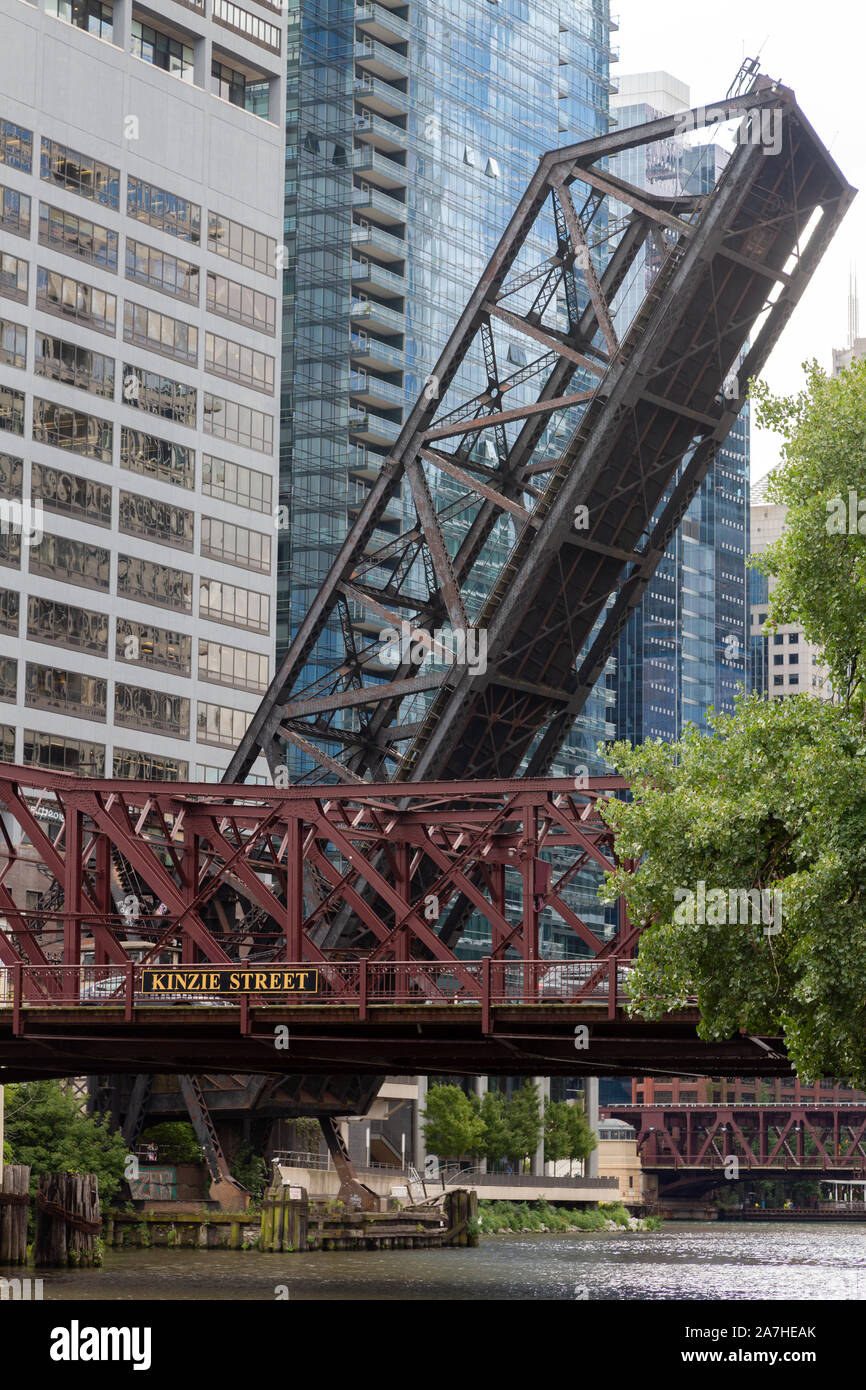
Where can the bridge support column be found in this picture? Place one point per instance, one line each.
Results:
(543, 1085)
(481, 1091)
(590, 1105)
(419, 1146)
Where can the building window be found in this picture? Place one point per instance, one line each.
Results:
(250, 93)
(8, 679)
(11, 476)
(793, 678)
(63, 754)
(778, 639)
(149, 582)
(13, 277)
(71, 495)
(160, 271)
(235, 545)
(10, 607)
(240, 303)
(159, 395)
(76, 366)
(778, 680)
(77, 236)
(779, 660)
(90, 15)
(7, 743)
(13, 344)
(14, 211)
(157, 458)
(160, 332)
(224, 665)
(234, 606)
(158, 521)
(65, 428)
(221, 725)
(16, 146)
(50, 687)
(151, 710)
(239, 424)
(241, 364)
(72, 299)
(166, 211)
(11, 410)
(243, 22)
(150, 767)
(793, 658)
(73, 562)
(79, 173)
(143, 645)
(233, 483)
(162, 51)
(241, 244)
(10, 549)
(62, 625)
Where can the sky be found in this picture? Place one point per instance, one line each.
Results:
(818, 51)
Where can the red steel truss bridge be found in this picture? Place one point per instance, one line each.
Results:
(689, 1145)
(218, 878)
(528, 508)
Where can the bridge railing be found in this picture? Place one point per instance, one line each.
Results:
(365, 983)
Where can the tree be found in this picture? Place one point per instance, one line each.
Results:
(557, 1140)
(523, 1118)
(773, 799)
(176, 1141)
(452, 1124)
(494, 1143)
(819, 564)
(581, 1139)
(46, 1128)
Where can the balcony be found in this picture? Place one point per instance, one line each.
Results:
(378, 207)
(379, 357)
(372, 240)
(381, 96)
(384, 62)
(380, 23)
(375, 316)
(371, 390)
(376, 279)
(381, 134)
(373, 428)
(379, 169)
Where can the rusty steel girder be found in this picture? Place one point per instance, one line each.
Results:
(218, 871)
(649, 410)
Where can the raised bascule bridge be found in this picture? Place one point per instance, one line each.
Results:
(524, 511)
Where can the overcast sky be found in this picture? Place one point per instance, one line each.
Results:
(818, 50)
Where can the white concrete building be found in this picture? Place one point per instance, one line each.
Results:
(141, 190)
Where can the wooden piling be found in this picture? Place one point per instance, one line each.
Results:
(14, 1207)
(67, 1219)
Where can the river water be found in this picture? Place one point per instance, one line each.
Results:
(683, 1260)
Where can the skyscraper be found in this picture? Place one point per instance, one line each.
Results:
(411, 132)
(140, 162)
(685, 648)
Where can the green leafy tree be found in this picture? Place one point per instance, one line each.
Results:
(773, 799)
(493, 1116)
(818, 566)
(557, 1140)
(581, 1138)
(250, 1170)
(47, 1129)
(452, 1123)
(176, 1141)
(523, 1117)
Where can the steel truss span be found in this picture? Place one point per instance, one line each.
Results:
(583, 530)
